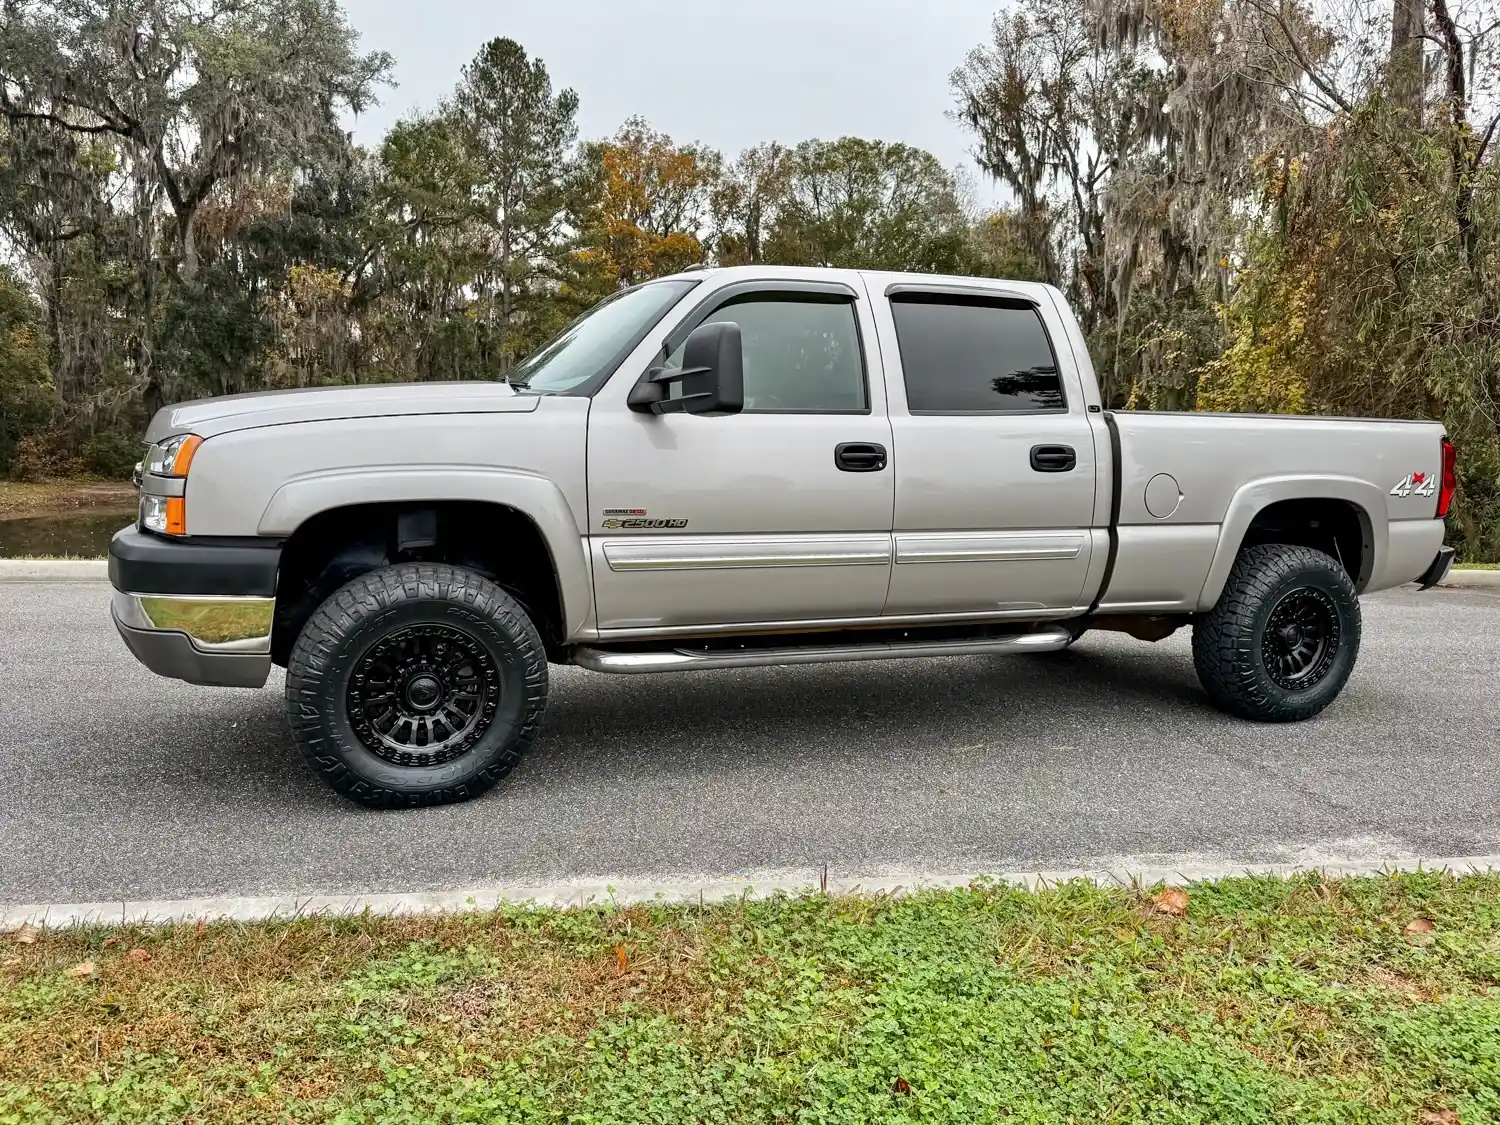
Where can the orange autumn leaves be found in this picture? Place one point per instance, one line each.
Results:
(652, 195)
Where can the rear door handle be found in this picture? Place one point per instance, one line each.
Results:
(859, 457)
(1053, 458)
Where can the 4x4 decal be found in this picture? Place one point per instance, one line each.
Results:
(1416, 484)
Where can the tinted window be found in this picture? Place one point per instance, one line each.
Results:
(800, 355)
(964, 355)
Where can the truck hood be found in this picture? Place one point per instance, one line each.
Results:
(209, 416)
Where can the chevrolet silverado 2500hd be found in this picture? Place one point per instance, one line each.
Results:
(738, 467)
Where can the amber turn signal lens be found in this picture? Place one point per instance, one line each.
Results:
(176, 515)
(184, 457)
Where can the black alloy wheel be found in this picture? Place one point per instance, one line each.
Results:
(1301, 639)
(423, 695)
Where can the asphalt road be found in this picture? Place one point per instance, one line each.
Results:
(115, 784)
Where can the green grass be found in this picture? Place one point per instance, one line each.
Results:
(1295, 1001)
(1476, 566)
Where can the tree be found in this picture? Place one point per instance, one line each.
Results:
(186, 96)
(27, 401)
(429, 255)
(202, 91)
(647, 203)
(1057, 113)
(516, 133)
(1001, 245)
(867, 205)
(1408, 29)
(1133, 134)
(747, 203)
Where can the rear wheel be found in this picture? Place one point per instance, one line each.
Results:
(1282, 640)
(416, 685)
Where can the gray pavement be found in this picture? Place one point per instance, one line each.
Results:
(115, 784)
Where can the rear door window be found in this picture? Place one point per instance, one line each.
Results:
(975, 355)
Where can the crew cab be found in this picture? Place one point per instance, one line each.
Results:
(748, 466)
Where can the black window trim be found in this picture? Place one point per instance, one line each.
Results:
(999, 297)
(770, 288)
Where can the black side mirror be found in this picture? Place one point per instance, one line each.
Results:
(712, 375)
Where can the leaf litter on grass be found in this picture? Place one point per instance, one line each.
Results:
(1297, 1000)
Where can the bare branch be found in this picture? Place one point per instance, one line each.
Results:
(1302, 59)
(72, 126)
(1484, 141)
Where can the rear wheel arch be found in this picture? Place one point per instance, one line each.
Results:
(1336, 527)
(1341, 516)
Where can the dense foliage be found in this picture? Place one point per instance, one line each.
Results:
(1252, 204)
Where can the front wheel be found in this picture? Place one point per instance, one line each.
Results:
(1282, 640)
(416, 684)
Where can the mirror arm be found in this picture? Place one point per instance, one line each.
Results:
(650, 394)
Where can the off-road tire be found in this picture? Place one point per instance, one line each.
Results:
(390, 607)
(1231, 642)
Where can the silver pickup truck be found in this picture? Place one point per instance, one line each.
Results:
(748, 466)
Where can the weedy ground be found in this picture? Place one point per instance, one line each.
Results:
(1249, 1000)
(57, 498)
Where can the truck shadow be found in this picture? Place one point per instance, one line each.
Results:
(676, 724)
(796, 711)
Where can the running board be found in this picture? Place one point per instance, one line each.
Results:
(1049, 639)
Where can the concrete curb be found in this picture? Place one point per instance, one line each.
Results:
(1472, 579)
(97, 570)
(680, 890)
(54, 570)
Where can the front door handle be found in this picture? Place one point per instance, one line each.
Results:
(859, 457)
(1053, 458)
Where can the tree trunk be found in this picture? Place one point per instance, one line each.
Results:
(188, 245)
(506, 255)
(1408, 24)
(55, 352)
(1462, 154)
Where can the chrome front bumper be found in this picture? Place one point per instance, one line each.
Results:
(203, 639)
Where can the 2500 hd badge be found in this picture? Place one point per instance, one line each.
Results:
(634, 523)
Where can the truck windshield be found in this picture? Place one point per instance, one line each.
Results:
(596, 343)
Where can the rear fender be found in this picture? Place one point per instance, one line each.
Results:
(1251, 499)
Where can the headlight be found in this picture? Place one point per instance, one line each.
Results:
(165, 515)
(172, 457)
(154, 513)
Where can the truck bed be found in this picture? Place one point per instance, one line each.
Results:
(1204, 461)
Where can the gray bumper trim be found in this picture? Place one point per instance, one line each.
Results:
(173, 655)
(1439, 569)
